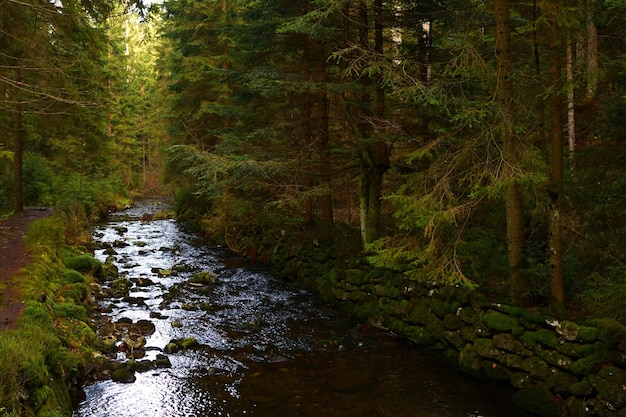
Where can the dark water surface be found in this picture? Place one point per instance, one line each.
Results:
(266, 348)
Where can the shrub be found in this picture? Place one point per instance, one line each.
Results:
(605, 295)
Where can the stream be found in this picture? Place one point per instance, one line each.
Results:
(264, 347)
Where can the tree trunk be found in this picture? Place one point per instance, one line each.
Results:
(514, 203)
(323, 135)
(555, 240)
(373, 152)
(308, 176)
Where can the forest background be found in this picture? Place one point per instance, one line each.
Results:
(472, 143)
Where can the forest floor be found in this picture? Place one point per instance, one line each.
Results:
(13, 257)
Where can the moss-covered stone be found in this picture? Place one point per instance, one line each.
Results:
(560, 382)
(452, 322)
(543, 337)
(438, 307)
(555, 358)
(520, 380)
(355, 276)
(467, 315)
(588, 334)
(584, 366)
(123, 375)
(582, 388)
(536, 367)
(450, 357)
(119, 287)
(471, 363)
(610, 383)
(435, 326)
(485, 348)
(509, 343)
(419, 335)
(539, 400)
(419, 315)
(569, 349)
(204, 278)
(496, 372)
(511, 361)
(455, 339)
(499, 322)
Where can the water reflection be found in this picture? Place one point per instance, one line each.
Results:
(266, 348)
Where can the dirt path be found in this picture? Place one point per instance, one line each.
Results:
(13, 257)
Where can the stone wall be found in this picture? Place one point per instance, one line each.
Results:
(558, 368)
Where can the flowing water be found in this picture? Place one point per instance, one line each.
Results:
(265, 347)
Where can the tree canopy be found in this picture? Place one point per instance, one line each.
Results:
(477, 144)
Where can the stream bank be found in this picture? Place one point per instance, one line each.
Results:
(556, 367)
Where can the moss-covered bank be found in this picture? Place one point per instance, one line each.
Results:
(558, 368)
(44, 359)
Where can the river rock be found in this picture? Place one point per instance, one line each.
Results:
(205, 277)
(119, 287)
(176, 345)
(123, 375)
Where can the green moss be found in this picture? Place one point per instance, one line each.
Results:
(471, 363)
(71, 276)
(85, 264)
(498, 321)
(582, 388)
(539, 400)
(70, 310)
(588, 334)
(542, 337)
(584, 365)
